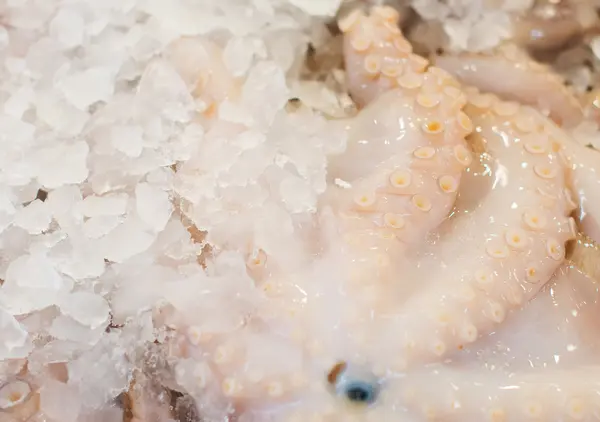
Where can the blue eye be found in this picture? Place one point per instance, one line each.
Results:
(356, 387)
(360, 392)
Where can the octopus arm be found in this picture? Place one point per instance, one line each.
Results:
(377, 56)
(585, 180)
(406, 149)
(511, 74)
(496, 258)
(550, 395)
(552, 373)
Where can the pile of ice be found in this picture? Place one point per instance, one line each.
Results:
(473, 25)
(101, 155)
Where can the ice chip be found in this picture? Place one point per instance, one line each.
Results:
(7, 207)
(60, 115)
(107, 205)
(62, 164)
(19, 102)
(32, 283)
(297, 195)
(162, 90)
(238, 55)
(15, 131)
(127, 139)
(35, 217)
(318, 7)
(96, 227)
(265, 91)
(128, 239)
(35, 272)
(85, 88)
(153, 206)
(60, 401)
(14, 339)
(87, 308)
(67, 28)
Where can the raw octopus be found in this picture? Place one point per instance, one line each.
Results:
(440, 289)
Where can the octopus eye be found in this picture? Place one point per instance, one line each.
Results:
(354, 387)
(360, 392)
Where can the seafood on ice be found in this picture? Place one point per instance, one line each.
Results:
(431, 281)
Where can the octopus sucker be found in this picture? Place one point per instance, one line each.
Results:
(523, 80)
(18, 400)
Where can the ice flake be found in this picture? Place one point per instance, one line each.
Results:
(101, 373)
(96, 227)
(127, 240)
(111, 205)
(67, 27)
(62, 164)
(14, 339)
(15, 131)
(235, 113)
(35, 217)
(32, 283)
(4, 38)
(59, 115)
(153, 205)
(86, 308)
(62, 203)
(60, 401)
(79, 258)
(183, 16)
(67, 329)
(162, 90)
(318, 7)
(265, 92)
(297, 195)
(85, 88)
(19, 102)
(7, 207)
(35, 272)
(127, 139)
(238, 55)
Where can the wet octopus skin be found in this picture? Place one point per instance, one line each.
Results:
(522, 79)
(527, 81)
(359, 311)
(523, 244)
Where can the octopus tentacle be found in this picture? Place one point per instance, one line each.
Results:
(585, 179)
(534, 384)
(410, 193)
(406, 150)
(377, 56)
(499, 256)
(522, 79)
(549, 395)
